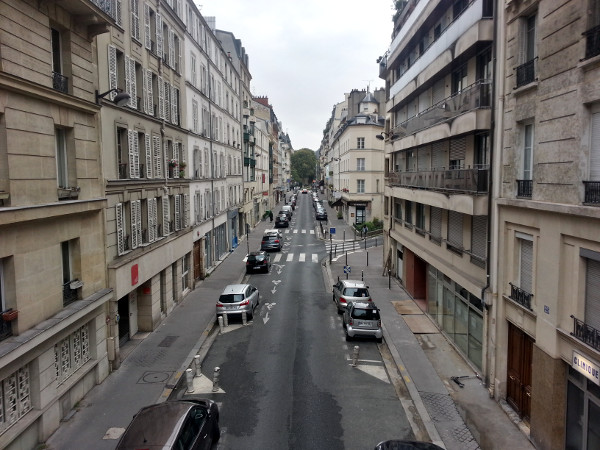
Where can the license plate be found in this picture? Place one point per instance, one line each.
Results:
(232, 307)
(258, 267)
(362, 323)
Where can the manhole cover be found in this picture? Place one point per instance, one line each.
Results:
(155, 377)
(168, 341)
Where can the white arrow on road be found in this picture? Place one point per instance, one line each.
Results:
(279, 268)
(276, 282)
(266, 318)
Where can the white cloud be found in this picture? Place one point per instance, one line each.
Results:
(304, 55)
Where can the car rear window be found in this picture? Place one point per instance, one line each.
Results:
(256, 258)
(356, 292)
(365, 314)
(231, 298)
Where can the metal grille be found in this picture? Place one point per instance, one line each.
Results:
(71, 353)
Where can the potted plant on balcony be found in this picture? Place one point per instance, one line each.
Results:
(182, 166)
(10, 314)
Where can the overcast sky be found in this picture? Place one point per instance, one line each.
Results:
(305, 54)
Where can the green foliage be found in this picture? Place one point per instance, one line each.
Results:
(376, 224)
(304, 163)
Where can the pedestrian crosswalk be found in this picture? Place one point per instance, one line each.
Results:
(299, 257)
(296, 231)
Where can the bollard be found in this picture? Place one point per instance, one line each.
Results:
(215, 387)
(362, 275)
(197, 365)
(367, 259)
(244, 318)
(225, 320)
(221, 324)
(355, 356)
(189, 378)
(344, 235)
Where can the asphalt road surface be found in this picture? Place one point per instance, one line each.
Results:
(287, 379)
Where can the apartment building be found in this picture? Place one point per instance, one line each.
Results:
(54, 292)
(144, 159)
(213, 103)
(438, 73)
(547, 343)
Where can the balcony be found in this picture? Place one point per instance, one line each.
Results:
(592, 42)
(520, 296)
(586, 333)
(5, 328)
(69, 294)
(460, 180)
(526, 73)
(60, 82)
(592, 192)
(478, 95)
(524, 188)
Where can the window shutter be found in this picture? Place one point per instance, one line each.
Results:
(458, 149)
(177, 212)
(157, 157)
(167, 92)
(166, 210)
(455, 229)
(134, 160)
(147, 93)
(194, 116)
(148, 146)
(478, 236)
(151, 219)
(592, 293)
(112, 69)
(171, 48)
(136, 222)
(120, 228)
(526, 266)
(436, 224)
(439, 159)
(135, 20)
(147, 37)
(161, 98)
(159, 36)
(119, 13)
(176, 158)
(174, 105)
(595, 149)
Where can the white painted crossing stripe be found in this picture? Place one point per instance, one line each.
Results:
(315, 258)
(303, 231)
(312, 231)
(277, 257)
(290, 257)
(302, 257)
(295, 231)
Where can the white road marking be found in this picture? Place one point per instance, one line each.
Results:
(302, 257)
(315, 258)
(290, 257)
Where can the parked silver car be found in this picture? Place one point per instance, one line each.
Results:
(362, 319)
(237, 298)
(345, 291)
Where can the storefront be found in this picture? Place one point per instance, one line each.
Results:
(457, 312)
(583, 404)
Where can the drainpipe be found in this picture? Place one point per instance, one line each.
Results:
(491, 317)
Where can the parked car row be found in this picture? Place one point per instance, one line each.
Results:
(361, 317)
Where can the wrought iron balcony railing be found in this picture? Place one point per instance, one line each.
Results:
(592, 191)
(526, 73)
(69, 294)
(60, 82)
(521, 296)
(524, 188)
(586, 333)
(592, 42)
(463, 180)
(5, 329)
(476, 96)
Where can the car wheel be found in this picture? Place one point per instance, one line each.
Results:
(348, 337)
(216, 434)
(379, 340)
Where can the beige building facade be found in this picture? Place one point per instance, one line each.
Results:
(53, 286)
(546, 351)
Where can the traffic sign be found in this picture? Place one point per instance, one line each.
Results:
(347, 269)
(331, 230)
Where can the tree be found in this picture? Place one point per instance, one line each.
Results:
(304, 164)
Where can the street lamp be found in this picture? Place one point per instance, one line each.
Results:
(121, 99)
(387, 136)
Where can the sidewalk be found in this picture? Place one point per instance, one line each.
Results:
(451, 416)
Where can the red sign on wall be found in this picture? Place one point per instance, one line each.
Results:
(134, 275)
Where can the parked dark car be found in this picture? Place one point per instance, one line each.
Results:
(282, 221)
(258, 261)
(189, 424)
(321, 214)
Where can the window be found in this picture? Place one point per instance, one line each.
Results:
(360, 186)
(398, 211)
(64, 160)
(455, 231)
(360, 164)
(408, 219)
(136, 223)
(420, 224)
(135, 20)
(121, 229)
(459, 79)
(528, 152)
(478, 240)
(525, 244)
(360, 142)
(71, 353)
(185, 268)
(60, 79)
(527, 52)
(15, 397)
(592, 293)
(595, 147)
(70, 259)
(435, 225)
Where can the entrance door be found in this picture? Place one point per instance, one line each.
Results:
(197, 259)
(123, 311)
(518, 390)
(400, 263)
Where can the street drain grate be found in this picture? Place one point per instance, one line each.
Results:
(168, 341)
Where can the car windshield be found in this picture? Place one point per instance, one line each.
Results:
(365, 314)
(356, 292)
(231, 298)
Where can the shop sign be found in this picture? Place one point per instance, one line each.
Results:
(587, 367)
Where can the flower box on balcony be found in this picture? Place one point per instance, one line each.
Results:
(10, 314)
(68, 192)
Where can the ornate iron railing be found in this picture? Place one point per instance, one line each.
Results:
(524, 188)
(60, 82)
(592, 191)
(521, 296)
(586, 333)
(526, 73)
